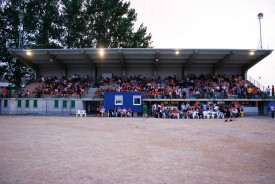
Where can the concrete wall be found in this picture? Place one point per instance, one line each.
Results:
(50, 71)
(83, 71)
(200, 70)
(44, 106)
(251, 111)
(145, 71)
(230, 70)
(169, 71)
(115, 70)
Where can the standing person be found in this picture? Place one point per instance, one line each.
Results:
(144, 111)
(272, 91)
(272, 109)
(98, 111)
(4, 91)
(227, 114)
(268, 91)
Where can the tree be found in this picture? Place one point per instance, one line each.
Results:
(11, 69)
(65, 24)
(102, 23)
(42, 24)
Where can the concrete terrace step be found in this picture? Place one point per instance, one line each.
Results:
(91, 92)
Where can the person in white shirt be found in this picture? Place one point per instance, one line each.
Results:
(272, 109)
(267, 90)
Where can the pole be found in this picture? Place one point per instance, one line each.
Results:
(261, 44)
(260, 16)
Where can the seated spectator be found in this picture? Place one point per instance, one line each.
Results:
(235, 113)
(98, 112)
(228, 116)
(111, 112)
(175, 114)
(119, 113)
(129, 112)
(123, 112)
(115, 111)
(200, 113)
(102, 111)
(189, 113)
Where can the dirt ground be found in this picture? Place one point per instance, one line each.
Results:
(74, 150)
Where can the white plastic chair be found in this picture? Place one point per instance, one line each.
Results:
(195, 114)
(78, 113)
(83, 113)
(220, 115)
(205, 114)
(210, 114)
(102, 111)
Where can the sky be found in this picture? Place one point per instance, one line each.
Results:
(212, 24)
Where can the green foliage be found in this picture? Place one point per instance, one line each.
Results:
(65, 24)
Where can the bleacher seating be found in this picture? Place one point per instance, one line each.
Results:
(193, 87)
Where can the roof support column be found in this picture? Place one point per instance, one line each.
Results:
(94, 74)
(37, 74)
(184, 72)
(188, 62)
(58, 62)
(155, 73)
(123, 63)
(225, 59)
(155, 67)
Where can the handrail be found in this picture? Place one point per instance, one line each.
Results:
(256, 83)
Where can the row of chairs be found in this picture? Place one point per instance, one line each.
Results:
(209, 114)
(80, 113)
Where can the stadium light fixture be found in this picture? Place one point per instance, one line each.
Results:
(260, 16)
(177, 52)
(251, 53)
(29, 53)
(101, 52)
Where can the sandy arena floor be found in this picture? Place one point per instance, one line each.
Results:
(70, 150)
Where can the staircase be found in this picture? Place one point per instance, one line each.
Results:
(31, 88)
(90, 93)
(256, 83)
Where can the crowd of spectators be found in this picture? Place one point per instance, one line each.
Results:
(200, 87)
(114, 112)
(199, 111)
(192, 86)
(63, 87)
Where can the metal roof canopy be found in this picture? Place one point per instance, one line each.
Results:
(91, 57)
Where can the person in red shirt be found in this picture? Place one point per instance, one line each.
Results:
(4, 91)
(175, 113)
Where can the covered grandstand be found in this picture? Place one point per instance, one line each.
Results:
(151, 63)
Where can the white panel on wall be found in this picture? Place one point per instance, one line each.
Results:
(145, 71)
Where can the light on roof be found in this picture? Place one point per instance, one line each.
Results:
(101, 52)
(251, 53)
(29, 53)
(177, 52)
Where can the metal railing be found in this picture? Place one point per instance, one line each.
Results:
(256, 83)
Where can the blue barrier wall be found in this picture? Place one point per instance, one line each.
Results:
(131, 100)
